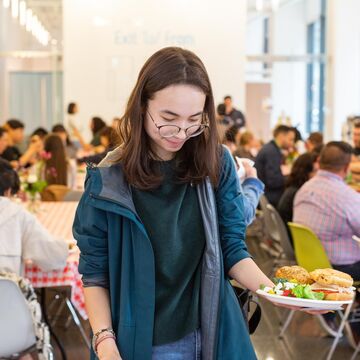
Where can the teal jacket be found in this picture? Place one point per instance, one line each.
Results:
(116, 253)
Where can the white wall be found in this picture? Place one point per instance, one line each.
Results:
(289, 79)
(101, 62)
(343, 45)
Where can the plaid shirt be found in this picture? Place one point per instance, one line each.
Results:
(331, 209)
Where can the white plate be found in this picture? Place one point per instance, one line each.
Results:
(304, 303)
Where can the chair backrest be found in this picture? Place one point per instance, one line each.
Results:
(309, 252)
(73, 195)
(282, 232)
(16, 324)
(54, 192)
(271, 228)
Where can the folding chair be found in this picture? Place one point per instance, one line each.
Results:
(21, 328)
(279, 233)
(311, 255)
(271, 230)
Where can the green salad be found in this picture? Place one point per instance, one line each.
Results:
(285, 287)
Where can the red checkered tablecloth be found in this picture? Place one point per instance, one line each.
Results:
(58, 217)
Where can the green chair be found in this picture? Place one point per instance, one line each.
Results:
(311, 255)
(309, 252)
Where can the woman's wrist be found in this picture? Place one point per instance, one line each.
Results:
(105, 345)
(101, 336)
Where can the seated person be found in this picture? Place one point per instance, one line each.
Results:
(304, 168)
(22, 237)
(107, 143)
(355, 163)
(330, 208)
(3, 141)
(248, 146)
(314, 140)
(15, 132)
(270, 162)
(70, 148)
(96, 125)
(251, 187)
(57, 169)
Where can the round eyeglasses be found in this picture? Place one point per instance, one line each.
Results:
(168, 131)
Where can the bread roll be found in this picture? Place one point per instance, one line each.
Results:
(339, 296)
(331, 277)
(297, 273)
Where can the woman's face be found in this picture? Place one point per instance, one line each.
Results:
(180, 105)
(37, 142)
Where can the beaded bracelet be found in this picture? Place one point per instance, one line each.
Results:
(99, 341)
(98, 333)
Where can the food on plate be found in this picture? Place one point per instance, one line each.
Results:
(320, 284)
(336, 285)
(297, 273)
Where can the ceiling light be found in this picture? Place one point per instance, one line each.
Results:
(6, 4)
(15, 8)
(22, 13)
(29, 19)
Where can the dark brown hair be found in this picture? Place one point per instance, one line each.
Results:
(71, 108)
(109, 133)
(56, 166)
(316, 138)
(199, 156)
(335, 156)
(246, 137)
(301, 170)
(97, 123)
(283, 129)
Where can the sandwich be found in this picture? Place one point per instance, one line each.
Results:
(336, 285)
(296, 273)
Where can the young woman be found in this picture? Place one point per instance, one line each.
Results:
(161, 227)
(304, 168)
(56, 168)
(70, 148)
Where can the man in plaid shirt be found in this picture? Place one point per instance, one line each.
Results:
(328, 206)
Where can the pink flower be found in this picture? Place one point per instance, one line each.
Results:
(45, 155)
(52, 172)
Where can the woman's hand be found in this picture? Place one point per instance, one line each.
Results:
(250, 171)
(107, 350)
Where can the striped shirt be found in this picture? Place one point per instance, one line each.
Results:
(331, 209)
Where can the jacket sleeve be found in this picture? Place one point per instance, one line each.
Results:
(252, 189)
(40, 246)
(231, 214)
(90, 231)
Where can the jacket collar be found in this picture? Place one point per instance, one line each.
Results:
(107, 181)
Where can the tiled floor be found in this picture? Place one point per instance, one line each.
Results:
(304, 340)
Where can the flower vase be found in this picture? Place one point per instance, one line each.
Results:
(34, 203)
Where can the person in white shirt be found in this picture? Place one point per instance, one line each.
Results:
(22, 237)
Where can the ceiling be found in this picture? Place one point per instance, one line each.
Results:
(49, 12)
